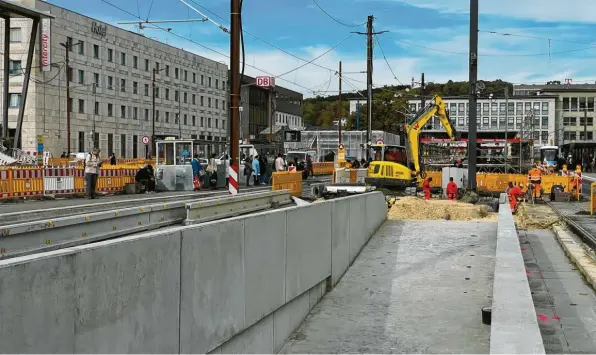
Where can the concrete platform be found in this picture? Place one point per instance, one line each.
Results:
(417, 287)
(565, 305)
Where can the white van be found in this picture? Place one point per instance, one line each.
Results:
(293, 155)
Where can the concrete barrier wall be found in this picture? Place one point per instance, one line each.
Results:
(237, 285)
(514, 327)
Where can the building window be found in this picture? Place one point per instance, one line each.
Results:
(135, 112)
(167, 70)
(209, 122)
(194, 78)
(146, 114)
(202, 121)
(156, 115)
(176, 118)
(146, 89)
(591, 104)
(81, 47)
(185, 119)
(202, 101)
(122, 58)
(167, 94)
(14, 100)
(157, 66)
(81, 106)
(123, 145)
(122, 111)
(569, 121)
(110, 110)
(209, 81)
(494, 108)
(566, 105)
(194, 120)
(69, 74)
(176, 96)
(574, 104)
(223, 105)
(157, 93)
(81, 141)
(135, 62)
(146, 64)
(185, 75)
(81, 77)
(582, 121)
(511, 108)
(202, 80)
(176, 73)
(185, 97)
(216, 123)
(69, 43)
(167, 117)
(96, 51)
(544, 137)
(216, 103)
(70, 104)
(122, 85)
(208, 102)
(14, 68)
(544, 122)
(96, 79)
(15, 35)
(194, 99)
(96, 108)
(110, 55)
(135, 87)
(545, 108)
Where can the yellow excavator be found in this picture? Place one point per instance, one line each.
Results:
(395, 167)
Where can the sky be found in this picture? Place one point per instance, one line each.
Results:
(535, 40)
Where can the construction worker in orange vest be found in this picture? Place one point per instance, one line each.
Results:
(426, 188)
(451, 190)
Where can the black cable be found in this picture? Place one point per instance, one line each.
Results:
(386, 61)
(334, 19)
(148, 13)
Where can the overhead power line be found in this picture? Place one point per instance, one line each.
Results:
(205, 47)
(535, 37)
(273, 45)
(335, 19)
(385, 57)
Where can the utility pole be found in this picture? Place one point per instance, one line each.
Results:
(153, 138)
(585, 124)
(234, 94)
(180, 110)
(339, 106)
(422, 93)
(472, 80)
(369, 76)
(68, 106)
(506, 124)
(357, 115)
(95, 145)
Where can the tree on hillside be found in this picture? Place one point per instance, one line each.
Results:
(387, 113)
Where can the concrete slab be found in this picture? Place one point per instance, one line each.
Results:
(212, 307)
(288, 318)
(384, 304)
(257, 339)
(124, 284)
(308, 248)
(358, 227)
(565, 305)
(340, 238)
(264, 264)
(43, 318)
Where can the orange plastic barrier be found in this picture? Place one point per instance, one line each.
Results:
(128, 175)
(27, 182)
(5, 184)
(109, 180)
(326, 168)
(353, 176)
(285, 180)
(79, 180)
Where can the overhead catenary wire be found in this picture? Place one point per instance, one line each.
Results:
(386, 61)
(206, 47)
(311, 62)
(334, 18)
(506, 34)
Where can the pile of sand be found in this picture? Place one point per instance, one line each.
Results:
(416, 208)
(530, 217)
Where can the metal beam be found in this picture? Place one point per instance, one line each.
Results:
(34, 30)
(6, 78)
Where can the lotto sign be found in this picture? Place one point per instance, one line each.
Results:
(265, 81)
(145, 140)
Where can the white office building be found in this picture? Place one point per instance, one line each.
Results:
(111, 88)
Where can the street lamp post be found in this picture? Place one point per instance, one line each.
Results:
(68, 47)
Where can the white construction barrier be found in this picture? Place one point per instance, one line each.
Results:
(57, 181)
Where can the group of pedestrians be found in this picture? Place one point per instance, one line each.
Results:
(206, 175)
(255, 168)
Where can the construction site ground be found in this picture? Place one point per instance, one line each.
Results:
(565, 304)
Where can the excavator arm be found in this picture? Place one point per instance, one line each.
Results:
(436, 107)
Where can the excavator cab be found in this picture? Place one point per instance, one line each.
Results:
(389, 167)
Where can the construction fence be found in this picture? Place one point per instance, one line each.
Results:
(17, 182)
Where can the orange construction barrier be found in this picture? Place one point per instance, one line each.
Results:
(5, 184)
(109, 180)
(285, 180)
(128, 175)
(27, 182)
(79, 180)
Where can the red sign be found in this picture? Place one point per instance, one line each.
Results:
(380, 141)
(265, 81)
(291, 168)
(145, 140)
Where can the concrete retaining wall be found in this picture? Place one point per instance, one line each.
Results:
(232, 286)
(514, 327)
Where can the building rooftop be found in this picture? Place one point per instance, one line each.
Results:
(14, 10)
